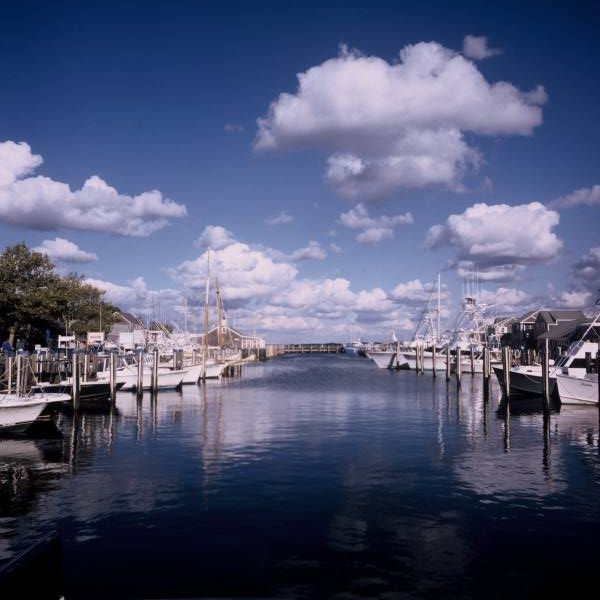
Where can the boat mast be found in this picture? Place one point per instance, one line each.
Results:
(439, 298)
(219, 316)
(206, 304)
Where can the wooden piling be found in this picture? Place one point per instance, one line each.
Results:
(472, 360)
(112, 374)
(86, 366)
(448, 365)
(19, 378)
(458, 366)
(506, 364)
(433, 357)
(546, 374)
(154, 381)
(9, 369)
(75, 379)
(139, 387)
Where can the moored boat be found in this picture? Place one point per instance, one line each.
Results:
(18, 412)
(577, 390)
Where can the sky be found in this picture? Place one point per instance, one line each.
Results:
(335, 157)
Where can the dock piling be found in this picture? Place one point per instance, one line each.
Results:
(154, 381)
(433, 352)
(448, 365)
(472, 360)
(139, 388)
(506, 364)
(546, 374)
(76, 383)
(458, 366)
(112, 374)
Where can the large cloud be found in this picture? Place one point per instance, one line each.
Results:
(373, 229)
(500, 238)
(42, 203)
(398, 124)
(65, 251)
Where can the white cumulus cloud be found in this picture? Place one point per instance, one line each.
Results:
(312, 251)
(476, 47)
(399, 124)
(374, 229)
(42, 203)
(62, 250)
(500, 237)
(215, 237)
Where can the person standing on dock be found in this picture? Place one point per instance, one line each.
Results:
(6, 347)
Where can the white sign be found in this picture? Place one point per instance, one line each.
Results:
(95, 337)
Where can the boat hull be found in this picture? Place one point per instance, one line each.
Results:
(577, 390)
(18, 413)
(526, 380)
(411, 359)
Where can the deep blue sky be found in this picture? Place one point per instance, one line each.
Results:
(139, 94)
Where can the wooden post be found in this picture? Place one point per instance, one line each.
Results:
(194, 357)
(112, 374)
(433, 352)
(9, 369)
(422, 358)
(486, 372)
(33, 362)
(546, 374)
(175, 359)
(154, 382)
(472, 361)
(75, 379)
(139, 387)
(506, 364)
(86, 366)
(458, 365)
(448, 366)
(18, 381)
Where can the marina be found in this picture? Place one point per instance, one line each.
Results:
(339, 475)
(299, 304)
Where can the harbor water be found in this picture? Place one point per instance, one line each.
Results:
(313, 476)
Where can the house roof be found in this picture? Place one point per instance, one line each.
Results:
(130, 318)
(562, 330)
(553, 316)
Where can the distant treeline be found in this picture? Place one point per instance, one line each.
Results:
(37, 304)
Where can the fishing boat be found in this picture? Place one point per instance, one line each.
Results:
(528, 379)
(88, 390)
(127, 376)
(18, 412)
(573, 389)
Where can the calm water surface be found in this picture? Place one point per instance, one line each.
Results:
(311, 476)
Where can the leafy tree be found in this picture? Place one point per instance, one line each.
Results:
(35, 299)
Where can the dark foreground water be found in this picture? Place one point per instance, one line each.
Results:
(312, 476)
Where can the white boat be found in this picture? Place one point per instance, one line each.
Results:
(384, 359)
(19, 412)
(214, 369)
(577, 390)
(191, 373)
(127, 375)
(527, 379)
(410, 358)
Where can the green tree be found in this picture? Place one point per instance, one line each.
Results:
(34, 298)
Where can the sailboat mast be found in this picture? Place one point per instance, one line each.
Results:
(439, 299)
(206, 303)
(219, 316)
